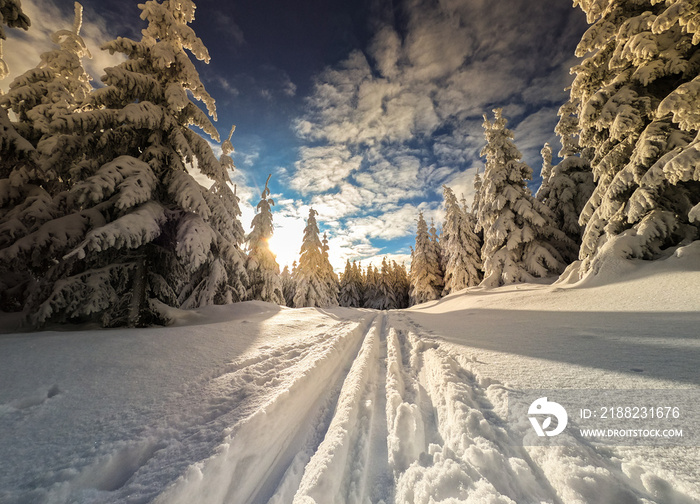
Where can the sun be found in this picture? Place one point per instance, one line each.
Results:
(286, 239)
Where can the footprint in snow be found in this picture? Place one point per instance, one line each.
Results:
(36, 399)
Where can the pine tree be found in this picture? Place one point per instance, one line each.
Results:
(478, 188)
(310, 276)
(426, 277)
(371, 291)
(389, 300)
(382, 292)
(288, 286)
(565, 189)
(545, 173)
(437, 247)
(263, 270)
(14, 148)
(401, 285)
(361, 276)
(55, 88)
(138, 233)
(461, 246)
(329, 276)
(350, 286)
(570, 185)
(635, 100)
(519, 240)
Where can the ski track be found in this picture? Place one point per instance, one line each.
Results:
(409, 421)
(378, 411)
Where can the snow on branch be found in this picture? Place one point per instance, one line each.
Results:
(188, 193)
(141, 226)
(131, 178)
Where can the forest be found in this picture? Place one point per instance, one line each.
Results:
(101, 219)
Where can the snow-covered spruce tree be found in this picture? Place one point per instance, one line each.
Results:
(350, 287)
(360, 278)
(437, 247)
(520, 242)
(225, 219)
(11, 15)
(370, 293)
(565, 189)
(426, 276)
(476, 202)
(139, 233)
(329, 276)
(288, 286)
(570, 187)
(383, 295)
(56, 87)
(263, 270)
(400, 284)
(387, 286)
(636, 99)
(310, 274)
(13, 147)
(545, 172)
(461, 247)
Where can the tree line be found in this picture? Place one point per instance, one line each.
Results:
(101, 219)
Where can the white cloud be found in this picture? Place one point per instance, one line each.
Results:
(531, 134)
(225, 85)
(230, 28)
(321, 169)
(289, 88)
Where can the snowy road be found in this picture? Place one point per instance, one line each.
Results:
(254, 404)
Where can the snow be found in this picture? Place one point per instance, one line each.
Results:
(256, 403)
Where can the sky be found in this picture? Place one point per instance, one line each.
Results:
(361, 109)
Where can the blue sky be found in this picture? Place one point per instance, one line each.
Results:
(362, 109)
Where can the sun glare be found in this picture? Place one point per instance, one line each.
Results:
(286, 240)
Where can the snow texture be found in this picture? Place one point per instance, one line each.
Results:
(255, 403)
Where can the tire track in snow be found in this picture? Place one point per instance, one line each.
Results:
(208, 409)
(409, 423)
(350, 464)
(481, 461)
(250, 463)
(477, 450)
(577, 472)
(378, 476)
(387, 414)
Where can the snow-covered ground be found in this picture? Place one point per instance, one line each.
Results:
(253, 403)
